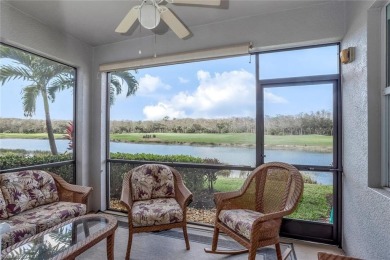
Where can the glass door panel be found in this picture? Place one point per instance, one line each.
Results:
(317, 201)
(298, 124)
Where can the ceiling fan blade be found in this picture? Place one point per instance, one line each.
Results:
(197, 2)
(128, 21)
(171, 20)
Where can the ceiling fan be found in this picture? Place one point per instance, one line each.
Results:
(150, 12)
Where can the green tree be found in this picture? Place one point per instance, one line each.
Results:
(43, 78)
(116, 84)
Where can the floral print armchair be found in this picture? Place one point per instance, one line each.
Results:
(156, 199)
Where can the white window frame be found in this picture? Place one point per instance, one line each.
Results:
(385, 102)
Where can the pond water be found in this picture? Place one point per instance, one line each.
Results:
(225, 154)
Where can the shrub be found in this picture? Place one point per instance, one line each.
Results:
(194, 178)
(10, 160)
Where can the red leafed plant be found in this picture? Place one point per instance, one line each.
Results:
(69, 134)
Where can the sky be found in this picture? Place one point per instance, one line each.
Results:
(208, 89)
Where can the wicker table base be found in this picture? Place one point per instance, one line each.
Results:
(67, 240)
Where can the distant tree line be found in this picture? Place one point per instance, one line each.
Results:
(186, 125)
(31, 126)
(319, 122)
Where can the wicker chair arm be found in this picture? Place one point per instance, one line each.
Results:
(221, 198)
(184, 196)
(270, 216)
(126, 205)
(70, 192)
(125, 200)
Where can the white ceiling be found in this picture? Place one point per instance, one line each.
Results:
(94, 21)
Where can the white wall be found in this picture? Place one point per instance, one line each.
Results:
(321, 23)
(366, 211)
(24, 32)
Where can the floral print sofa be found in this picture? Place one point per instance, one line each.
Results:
(32, 201)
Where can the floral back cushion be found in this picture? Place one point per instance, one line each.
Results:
(152, 181)
(27, 189)
(3, 209)
(164, 183)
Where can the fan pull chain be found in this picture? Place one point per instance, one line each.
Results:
(155, 44)
(250, 58)
(155, 36)
(139, 51)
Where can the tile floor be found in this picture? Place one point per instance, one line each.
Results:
(304, 250)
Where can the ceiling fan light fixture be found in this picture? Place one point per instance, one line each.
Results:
(150, 12)
(149, 16)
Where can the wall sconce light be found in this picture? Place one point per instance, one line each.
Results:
(347, 55)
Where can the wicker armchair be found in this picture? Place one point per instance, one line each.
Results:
(156, 199)
(253, 215)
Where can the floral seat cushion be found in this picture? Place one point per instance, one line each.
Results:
(239, 220)
(156, 212)
(25, 190)
(19, 231)
(47, 216)
(152, 181)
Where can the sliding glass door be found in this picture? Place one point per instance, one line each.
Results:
(300, 118)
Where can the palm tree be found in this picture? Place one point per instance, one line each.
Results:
(116, 83)
(46, 77)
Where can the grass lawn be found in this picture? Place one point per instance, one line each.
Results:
(228, 184)
(300, 140)
(247, 139)
(315, 204)
(229, 138)
(28, 136)
(244, 139)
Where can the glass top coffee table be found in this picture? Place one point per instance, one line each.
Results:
(67, 240)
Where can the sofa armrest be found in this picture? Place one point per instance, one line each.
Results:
(70, 192)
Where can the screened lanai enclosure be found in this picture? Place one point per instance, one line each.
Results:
(215, 123)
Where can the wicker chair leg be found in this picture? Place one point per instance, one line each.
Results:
(186, 237)
(215, 239)
(129, 244)
(252, 252)
(214, 245)
(278, 251)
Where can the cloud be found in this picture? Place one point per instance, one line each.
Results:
(223, 94)
(272, 98)
(183, 80)
(161, 110)
(149, 84)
